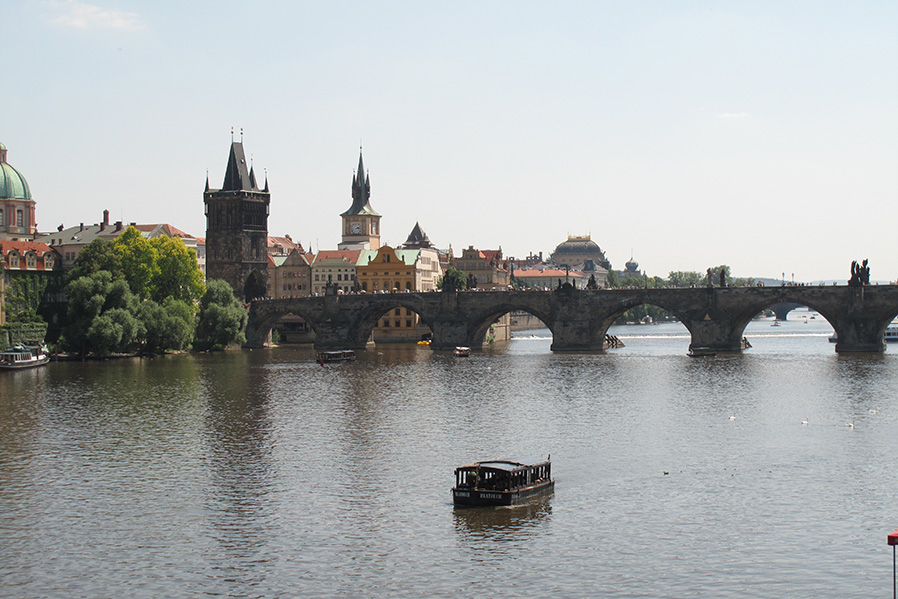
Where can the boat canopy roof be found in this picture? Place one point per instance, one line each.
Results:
(505, 465)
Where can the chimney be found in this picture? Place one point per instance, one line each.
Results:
(133, 224)
(105, 218)
(118, 225)
(82, 227)
(59, 228)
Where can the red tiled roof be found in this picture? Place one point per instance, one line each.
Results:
(351, 256)
(24, 246)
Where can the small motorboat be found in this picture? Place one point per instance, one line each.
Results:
(462, 352)
(21, 356)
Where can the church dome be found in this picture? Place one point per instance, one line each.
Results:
(12, 184)
(577, 250)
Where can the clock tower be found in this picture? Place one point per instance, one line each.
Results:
(361, 224)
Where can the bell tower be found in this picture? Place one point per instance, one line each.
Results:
(237, 228)
(361, 224)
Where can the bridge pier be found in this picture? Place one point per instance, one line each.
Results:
(860, 335)
(717, 335)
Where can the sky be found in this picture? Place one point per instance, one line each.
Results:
(686, 134)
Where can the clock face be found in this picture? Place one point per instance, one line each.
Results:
(356, 228)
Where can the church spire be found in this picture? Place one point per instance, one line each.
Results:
(361, 192)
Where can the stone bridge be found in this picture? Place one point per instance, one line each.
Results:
(715, 317)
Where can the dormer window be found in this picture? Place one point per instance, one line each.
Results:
(13, 260)
(31, 260)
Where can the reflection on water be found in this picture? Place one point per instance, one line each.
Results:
(265, 474)
(478, 523)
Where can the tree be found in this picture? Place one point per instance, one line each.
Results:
(222, 317)
(176, 274)
(719, 274)
(100, 315)
(139, 261)
(611, 279)
(95, 256)
(682, 278)
(167, 326)
(452, 280)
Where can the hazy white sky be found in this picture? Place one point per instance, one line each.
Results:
(763, 135)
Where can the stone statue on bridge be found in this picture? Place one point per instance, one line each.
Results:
(860, 274)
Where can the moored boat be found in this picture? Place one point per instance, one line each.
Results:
(462, 352)
(22, 356)
(343, 355)
(500, 482)
(700, 352)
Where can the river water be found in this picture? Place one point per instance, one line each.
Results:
(262, 474)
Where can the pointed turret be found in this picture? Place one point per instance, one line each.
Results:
(266, 182)
(361, 193)
(417, 239)
(237, 176)
(207, 180)
(252, 177)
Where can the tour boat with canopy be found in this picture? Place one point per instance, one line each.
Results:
(501, 482)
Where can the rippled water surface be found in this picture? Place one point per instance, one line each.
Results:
(263, 474)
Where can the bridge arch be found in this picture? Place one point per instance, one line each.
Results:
(265, 313)
(411, 315)
(481, 321)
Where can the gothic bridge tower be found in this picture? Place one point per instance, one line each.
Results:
(361, 224)
(237, 229)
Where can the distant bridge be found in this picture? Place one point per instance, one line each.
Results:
(716, 317)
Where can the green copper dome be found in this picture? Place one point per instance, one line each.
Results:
(12, 184)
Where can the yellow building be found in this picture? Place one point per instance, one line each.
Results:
(390, 270)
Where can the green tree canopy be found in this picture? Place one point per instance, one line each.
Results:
(167, 326)
(97, 255)
(100, 315)
(139, 261)
(453, 279)
(222, 317)
(176, 275)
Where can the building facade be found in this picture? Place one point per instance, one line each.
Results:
(291, 275)
(31, 274)
(335, 267)
(390, 270)
(237, 229)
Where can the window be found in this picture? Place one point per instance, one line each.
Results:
(1, 218)
(398, 323)
(408, 311)
(13, 260)
(408, 322)
(20, 218)
(386, 323)
(31, 260)
(398, 311)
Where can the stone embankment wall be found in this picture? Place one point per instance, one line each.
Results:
(525, 321)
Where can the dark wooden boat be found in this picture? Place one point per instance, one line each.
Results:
(701, 352)
(343, 355)
(500, 482)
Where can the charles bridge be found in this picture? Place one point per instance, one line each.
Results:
(715, 316)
